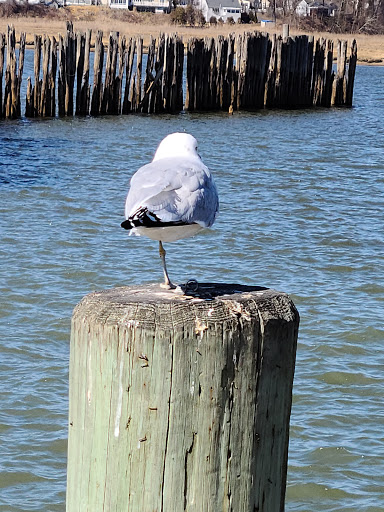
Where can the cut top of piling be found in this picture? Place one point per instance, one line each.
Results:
(150, 306)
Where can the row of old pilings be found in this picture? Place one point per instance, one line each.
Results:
(250, 71)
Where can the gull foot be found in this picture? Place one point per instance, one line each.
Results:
(168, 286)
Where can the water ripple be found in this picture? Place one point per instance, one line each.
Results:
(301, 211)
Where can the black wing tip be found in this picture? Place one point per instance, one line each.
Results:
(126, 224)
(146, 219)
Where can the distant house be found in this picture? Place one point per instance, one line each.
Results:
(46, 3)
(246, 5)
(322, 9)
(223, 9)
(315, 9)
(302, 8)
(158, 6)
(262, 5)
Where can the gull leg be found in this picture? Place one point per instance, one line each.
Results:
(167, 282)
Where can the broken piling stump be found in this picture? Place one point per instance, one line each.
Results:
(180, 402)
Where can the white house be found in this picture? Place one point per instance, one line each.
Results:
(306, 8)
(302, 8)
(223, 9)
(158, 6)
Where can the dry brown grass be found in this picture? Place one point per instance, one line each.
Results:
(370, 48)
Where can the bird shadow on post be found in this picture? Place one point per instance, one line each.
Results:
(180, 402)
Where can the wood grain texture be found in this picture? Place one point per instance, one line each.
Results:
(180, 403)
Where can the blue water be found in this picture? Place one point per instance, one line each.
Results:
(301, 211)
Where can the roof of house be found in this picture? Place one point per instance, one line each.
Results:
(322, 5)
(318, 5)
(224, 3)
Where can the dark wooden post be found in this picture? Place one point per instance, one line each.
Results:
(139, 67)
(45, 93)
(52, 77)
(97, 92)
(70, 68)
(61, 85)
(80, 59)
(180, 403)
(36, 69)
(21, 68)
(85, 88)
(119, 79)
(131, 50)
(2, 51)
(12, 77)
(340, 82)
(318, 72)
(351, 73)
(109, 104)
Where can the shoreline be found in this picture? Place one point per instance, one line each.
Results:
(370, 49)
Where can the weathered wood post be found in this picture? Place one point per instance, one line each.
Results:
(180, 403)
(351, 73)
(13, 77)
(97, 92)
(2, 51)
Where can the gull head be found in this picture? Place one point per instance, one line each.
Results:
(177, 144)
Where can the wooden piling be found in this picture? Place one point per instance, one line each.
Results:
(118, 93)
(271, 75)
(2, 52)
(180, 404)
(85, 87)
(52, 78)
(221, 52)
(22, 41)
(130, 55)
(156, 93)
(61, 86)
(80, 60)
(97, 92)
(36, 71)
(136, 93)
(241, 65)
(45, 96)
(13, 75)
(70, 68)
(351, 73)
(177, 81)
(109, 101)
(329, 75)
(306, 60)
(230, 82)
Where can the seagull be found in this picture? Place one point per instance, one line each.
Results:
(172, 197)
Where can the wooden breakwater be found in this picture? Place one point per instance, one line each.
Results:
(250, 71)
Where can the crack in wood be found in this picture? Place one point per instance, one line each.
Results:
(187, 454)
(167, 434)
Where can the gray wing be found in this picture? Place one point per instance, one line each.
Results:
(174, 189)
